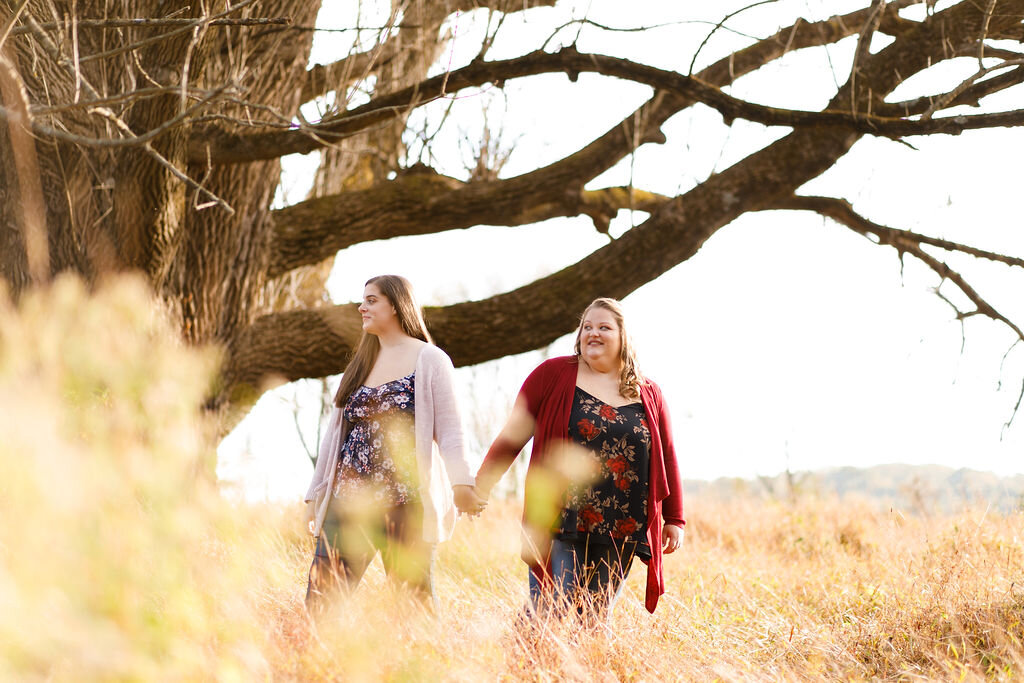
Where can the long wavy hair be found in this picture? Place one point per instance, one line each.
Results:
(630, 377)
(398, 291)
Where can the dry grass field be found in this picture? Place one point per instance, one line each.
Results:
(119, 560)
(808, 590)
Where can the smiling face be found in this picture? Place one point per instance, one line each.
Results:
(377, 311)
(600, 339)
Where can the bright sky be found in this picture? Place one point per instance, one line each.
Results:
(787, 340)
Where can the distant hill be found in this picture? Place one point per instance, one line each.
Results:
(914, 488)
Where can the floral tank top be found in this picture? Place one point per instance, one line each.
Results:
(612, 508)
(378, 457)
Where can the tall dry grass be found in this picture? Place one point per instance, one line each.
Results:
(807, 590)
(119, 560)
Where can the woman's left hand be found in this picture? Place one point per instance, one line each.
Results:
(671, 538)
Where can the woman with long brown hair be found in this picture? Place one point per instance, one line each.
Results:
(603, 483)
(392, 462)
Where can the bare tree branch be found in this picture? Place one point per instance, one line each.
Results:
(970, 95)
(190, 25)
(125, 98)
(987, 18)
(251, 147)
(314, 230)
(130, 139)
(672, 234)
(720, 24)
(142, 141)
(357, 66)
(943, 101)
(908, 242)
(8, 25)
(861, 54)
(982, 307)
(842, 212)
(232, 148)
(421, 203)
(322, 78)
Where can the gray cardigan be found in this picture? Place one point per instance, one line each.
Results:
(440, 448)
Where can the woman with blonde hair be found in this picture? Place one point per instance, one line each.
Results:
(393, 461)
(603, 483)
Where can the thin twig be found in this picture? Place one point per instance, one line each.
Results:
(198, 32)
(8, 27)
(860, 55)
(192, 24)
(489, 36)
(982, 307)
(906, 242)
(579, 29)
(150, 23)
(960, 316)
(1002, 361)
(75, 57)
(163, 161)
(970, 95)
(122, 98)
(720, 24)
(984, 32)
(54, 53)
(132, 139)
(841, 211)
(943, 101)
(353, 121)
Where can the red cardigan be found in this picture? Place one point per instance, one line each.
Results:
(548, 392)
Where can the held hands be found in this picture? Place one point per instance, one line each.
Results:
(671, 538)
(467, 500)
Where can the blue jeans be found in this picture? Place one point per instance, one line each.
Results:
(586, 575)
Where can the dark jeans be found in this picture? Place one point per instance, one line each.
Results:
(349, 540)
(585, 575)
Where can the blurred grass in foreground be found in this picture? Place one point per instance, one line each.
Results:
(117, 554)
(120, 561)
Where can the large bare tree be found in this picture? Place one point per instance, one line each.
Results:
(140, 137)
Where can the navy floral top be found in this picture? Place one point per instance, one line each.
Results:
(614, 507)
(379, 453)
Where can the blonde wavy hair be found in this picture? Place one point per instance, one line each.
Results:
(630, 377)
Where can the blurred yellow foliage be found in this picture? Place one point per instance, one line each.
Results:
(110, 529)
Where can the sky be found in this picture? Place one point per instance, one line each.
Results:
(787, 341)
